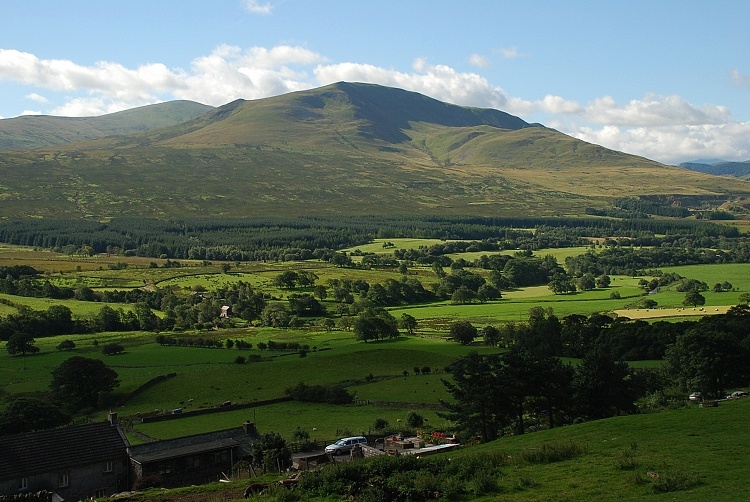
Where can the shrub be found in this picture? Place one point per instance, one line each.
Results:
(66, 345)
(112, 349)
(674, 481)
(240, 360)
(332, 394)
(380, 424)
(414, 419)
(552, 452)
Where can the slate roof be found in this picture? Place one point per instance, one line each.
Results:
(198, 443)
(183, 451)
(54, 450)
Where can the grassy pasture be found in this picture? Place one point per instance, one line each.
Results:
(559, 253)
(210, 376)
(331, 421)
(376, 246)
(77, 307)
(701, 450)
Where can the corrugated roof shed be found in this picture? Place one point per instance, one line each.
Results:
(57, 449)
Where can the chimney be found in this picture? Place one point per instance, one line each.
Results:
(112, 417)
(249, 428)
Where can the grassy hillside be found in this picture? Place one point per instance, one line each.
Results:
(698, 452)
(39, 131)
(686, 454)
(341, 149)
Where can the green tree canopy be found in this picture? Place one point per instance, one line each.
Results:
(408, 322)
(375, 324)
(463, 332)
(81, 382)
(708, 361)
(478, 404)
(602, 387)
(271, 453)
(21, 343)
(26, 414)
(693, 298)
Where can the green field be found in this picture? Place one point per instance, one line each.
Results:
(626, 457)
(373, 372)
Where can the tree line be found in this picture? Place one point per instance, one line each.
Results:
(497, 394)
(281, 238)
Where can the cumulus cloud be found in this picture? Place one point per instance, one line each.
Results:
(654, 110)
(36, 97)
(112, 80)
(674, 144)
(226, 74)
(509, 52)
(437, 81)
(740, 79)
(255, 7)
(479, 60)
(664, 128)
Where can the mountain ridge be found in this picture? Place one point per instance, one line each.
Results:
(40, 131)
(346, 148)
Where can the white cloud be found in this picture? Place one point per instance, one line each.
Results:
(255, 7)
(654, 110)
(226, 74)
(92, 106)
(557, 105)
(37, 97)
(31, 112)
(437, 81)
(740, 79)
(674, 144)
(509, 52)
(479, 60)
(664, 128)
(108, 79)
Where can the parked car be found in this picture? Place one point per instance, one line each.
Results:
(344, 445)
(737, 394)
(696, 396)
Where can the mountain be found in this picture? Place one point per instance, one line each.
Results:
(721, 168)
(39, 131)
(341, 149)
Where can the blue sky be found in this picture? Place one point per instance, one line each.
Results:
(665, 79)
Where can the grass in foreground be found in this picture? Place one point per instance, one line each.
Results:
(686, 454)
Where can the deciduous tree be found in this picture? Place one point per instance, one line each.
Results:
(80, 382)
(463, 332)
(26, 414)
(21, 343)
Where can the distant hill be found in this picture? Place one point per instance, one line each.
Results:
(342, 149)
(39, 131)
(723, 168)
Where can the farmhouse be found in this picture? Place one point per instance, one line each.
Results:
(197, 459)
(74, 463)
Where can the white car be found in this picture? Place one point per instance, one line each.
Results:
(344, 445)
(696, 396)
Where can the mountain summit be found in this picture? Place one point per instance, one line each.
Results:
(346, 148)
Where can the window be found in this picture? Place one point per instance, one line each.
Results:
(24, 485)
(63, 480)
(165, 467)
(109, 466)
(194, 462)
(221, 457)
